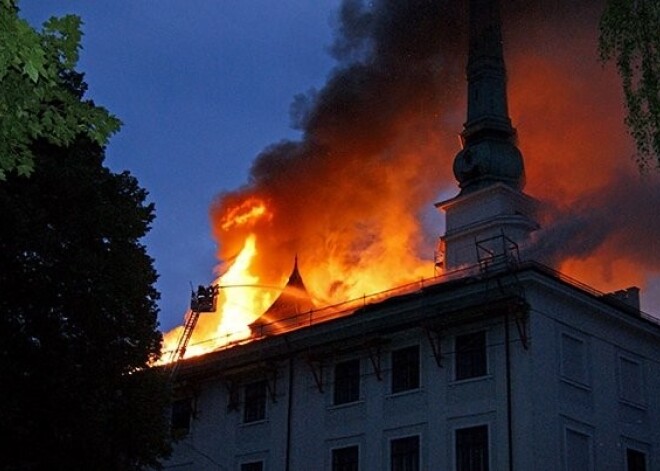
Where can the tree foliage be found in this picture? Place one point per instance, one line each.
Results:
(78, 315)
(78, 325)
(33, 101)
(630, 35)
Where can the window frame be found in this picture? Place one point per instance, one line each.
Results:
(335, 466)
(458, 452)
(476, 365)
(179, 408)
(644, 457)
(346, 385)
(255, 397)
(394, 465)
(578, 429)
(405, 372)
(641, 401)
(585, 380)
(246, 466)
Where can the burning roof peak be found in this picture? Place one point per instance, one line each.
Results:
(293, 300)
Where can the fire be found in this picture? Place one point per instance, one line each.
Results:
(335, 268)
(602, 217)
(243, 214)
(241, 299)
(353, 199)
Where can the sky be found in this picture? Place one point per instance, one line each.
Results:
(202, 88)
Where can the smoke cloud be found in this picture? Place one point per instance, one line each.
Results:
(601, 218)
(378, 142)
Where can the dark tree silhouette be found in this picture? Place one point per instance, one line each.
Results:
(78, 312)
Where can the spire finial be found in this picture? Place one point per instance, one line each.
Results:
(490, 154)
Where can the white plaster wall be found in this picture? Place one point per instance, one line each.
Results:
(543, 403)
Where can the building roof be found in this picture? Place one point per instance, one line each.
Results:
(292, 301)
(431, 307)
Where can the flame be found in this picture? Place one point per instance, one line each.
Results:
(241, 297)
(243, 214)
(385, 257)
(602, 219)
(353, 199)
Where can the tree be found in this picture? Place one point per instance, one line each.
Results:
(33, 101)
(630, 35)
(78, 324)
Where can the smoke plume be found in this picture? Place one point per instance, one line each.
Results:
(378, 142)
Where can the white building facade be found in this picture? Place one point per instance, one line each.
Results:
(508, 367)
(514, 370)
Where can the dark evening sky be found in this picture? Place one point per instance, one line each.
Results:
(202, 87)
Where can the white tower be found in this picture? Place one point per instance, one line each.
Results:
(489, 168)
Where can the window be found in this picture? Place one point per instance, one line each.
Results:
(471, 355)
(181, 415)
(631, 383)
(573, 359)
(472, 448)
(578, 451)
(347, 382)
(405, 369)
(404, 454)
(345, 459)
(254, 407)
(635, 460)
(253, 466)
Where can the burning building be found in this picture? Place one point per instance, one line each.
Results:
(470, 369)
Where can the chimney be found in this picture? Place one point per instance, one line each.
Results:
(628, 296)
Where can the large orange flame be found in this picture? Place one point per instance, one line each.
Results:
(353, 198)
(241, 296)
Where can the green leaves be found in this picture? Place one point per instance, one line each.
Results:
(77, 292)
(37, 98)
(630, 35)
(31, 70)
(65, 34)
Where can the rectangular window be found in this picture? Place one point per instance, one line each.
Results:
(631, 383)
(345, 459)
(253, 466)
(405, 369)
(471, 355)
(635, 460)
(578, 451)
(347, 382)
(472, 448)
(573, 359)
(254, 406)
(404, 454)
(181, 416)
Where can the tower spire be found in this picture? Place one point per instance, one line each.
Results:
(489, 153)
(491, 205)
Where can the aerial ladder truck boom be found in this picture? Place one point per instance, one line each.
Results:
(202, 300)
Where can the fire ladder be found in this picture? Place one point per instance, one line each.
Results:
(202, 300)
